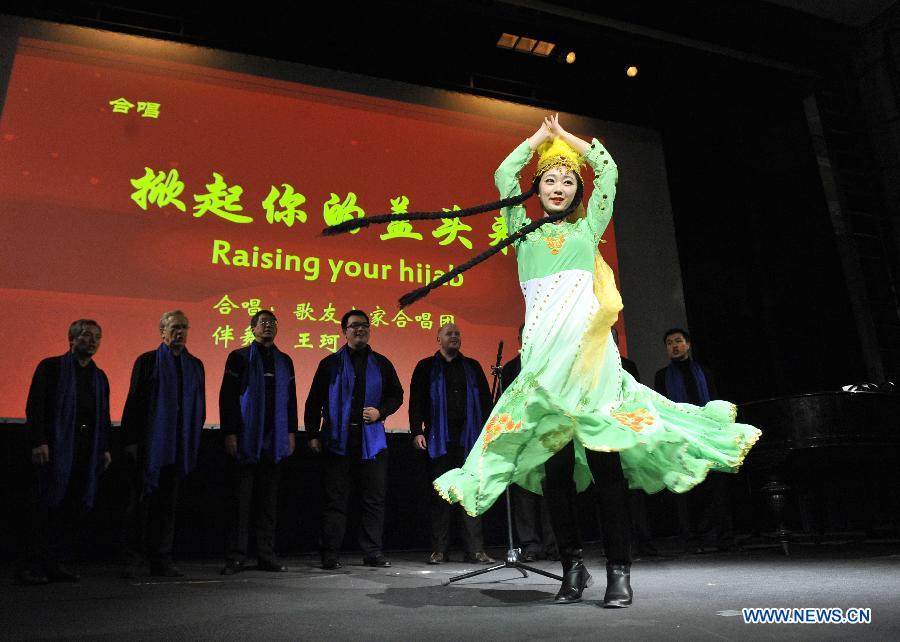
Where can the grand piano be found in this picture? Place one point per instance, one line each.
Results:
(848, 439)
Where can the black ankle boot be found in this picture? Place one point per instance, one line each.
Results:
(618, 586)
(575, 579)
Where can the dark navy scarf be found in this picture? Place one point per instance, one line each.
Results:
(675, 386)
(439, 434)
(340, 395)
(253, 408)
(163, 447)
(54, 477)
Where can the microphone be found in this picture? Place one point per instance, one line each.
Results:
(497, 371)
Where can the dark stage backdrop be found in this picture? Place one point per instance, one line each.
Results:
(138, 176)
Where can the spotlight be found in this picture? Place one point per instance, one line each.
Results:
(570, 58)
(631, 72)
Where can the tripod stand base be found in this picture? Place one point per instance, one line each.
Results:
(512, 561)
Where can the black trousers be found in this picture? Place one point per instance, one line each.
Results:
(442, 511)
(253, 490)
(612, 497)
(151, 522)
(531, 518)
(50, 533)
(369, 477)
(704, 513)
(640, 524)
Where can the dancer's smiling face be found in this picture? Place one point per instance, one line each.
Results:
(557, 189)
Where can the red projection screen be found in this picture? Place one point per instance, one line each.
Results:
(134, 183)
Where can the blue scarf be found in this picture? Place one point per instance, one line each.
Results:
(340, 394)
(253, 408)
(677, 391)
(54, 477)
(163, 445)
(439, 435)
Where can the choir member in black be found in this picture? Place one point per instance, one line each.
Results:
(352, 393)
(67, 416)
(258, 414)
(161, 425)
(449, 396)
(706, 510)
(530, 515)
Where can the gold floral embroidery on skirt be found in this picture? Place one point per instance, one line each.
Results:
(556, 439)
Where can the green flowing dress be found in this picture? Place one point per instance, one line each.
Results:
(572, 385)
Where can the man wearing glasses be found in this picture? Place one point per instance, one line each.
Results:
(161, 423)
(352, 393)
(258, 411)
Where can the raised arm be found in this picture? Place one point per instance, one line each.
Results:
(606, 175)
(507, 176)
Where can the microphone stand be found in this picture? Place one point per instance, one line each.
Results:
(513, 552)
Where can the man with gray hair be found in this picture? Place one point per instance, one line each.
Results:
(68, 425)
(161, 424)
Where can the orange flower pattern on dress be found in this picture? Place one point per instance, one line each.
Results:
(555, 243)
(636, 420)
(498, 425)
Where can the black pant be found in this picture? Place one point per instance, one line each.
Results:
(704, 513)
(612, 498)
(151, 527)
(252, 486)
(640, 524)
(50, 532)
(341, 472)
(531, 517)
(441, 510)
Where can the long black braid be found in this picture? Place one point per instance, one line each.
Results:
(411, 297)
(366, 221)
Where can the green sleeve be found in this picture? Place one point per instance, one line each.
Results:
(507, 180)
(606, 175)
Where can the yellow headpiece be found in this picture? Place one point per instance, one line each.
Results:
(557, 153)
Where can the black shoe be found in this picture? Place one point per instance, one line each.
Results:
(130, 572)
(479, 558)
(618, 586)
(271, 566)
(232, 567)
(31, 577)
(528, 557)
(379, 561)
(166, 570)
(438, 558)
(331, 563)
(575, 579)
(57, 573)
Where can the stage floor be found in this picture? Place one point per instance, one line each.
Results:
(691, 597)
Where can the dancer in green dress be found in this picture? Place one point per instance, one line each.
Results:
(572, 406)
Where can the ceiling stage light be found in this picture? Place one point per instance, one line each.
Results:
(524, 44)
